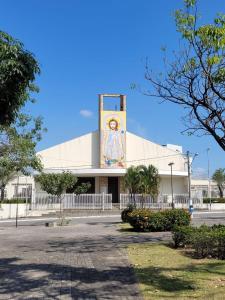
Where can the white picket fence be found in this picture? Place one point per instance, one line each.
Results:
(160, 202)
(44, 201)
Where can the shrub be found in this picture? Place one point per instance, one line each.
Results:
(14, 201)
(138, 219)
(205, 241)
(214, 200)
(181, 235)
(124, 213)
(147, 220)
(176, 217)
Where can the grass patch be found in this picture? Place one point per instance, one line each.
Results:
(165, 273)
(126, 227)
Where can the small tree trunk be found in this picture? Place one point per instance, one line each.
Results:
(220, 191)
(2, 192)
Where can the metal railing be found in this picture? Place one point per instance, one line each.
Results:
(44, 201)
(159, 202)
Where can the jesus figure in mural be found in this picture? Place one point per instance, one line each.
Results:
(113, 150)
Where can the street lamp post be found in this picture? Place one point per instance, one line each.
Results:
(209, 184)
(189, 180)
(171, 180)
(17, 195)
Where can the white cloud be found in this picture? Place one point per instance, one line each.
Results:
(86, 113)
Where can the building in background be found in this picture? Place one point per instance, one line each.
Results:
(102, 157)
(204, 188)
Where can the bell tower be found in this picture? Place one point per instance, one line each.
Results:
(112, 131)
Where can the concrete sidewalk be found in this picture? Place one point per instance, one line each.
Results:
(81, 261)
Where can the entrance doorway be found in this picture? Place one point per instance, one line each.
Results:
(113, 188)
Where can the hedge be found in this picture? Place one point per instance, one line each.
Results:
(206, 241)
(124, 214)
(148, 220)
(213, 200)
(15, 201)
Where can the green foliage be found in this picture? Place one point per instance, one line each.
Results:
(18, 69)
(15, 201)
(82, 188)
(17, 148)
(219, 178)
(142, 179)
(132, 179)
(149, 180)
(205, 241)
(213, 200)
(19, 132)
(181, 235)
(196, 77)
(124, 213)
(56, 184)
(147, 220)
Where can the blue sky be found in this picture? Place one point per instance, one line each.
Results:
(88, 47)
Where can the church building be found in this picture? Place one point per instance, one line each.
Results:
(102, 157)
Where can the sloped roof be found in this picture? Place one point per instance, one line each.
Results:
(83, 153)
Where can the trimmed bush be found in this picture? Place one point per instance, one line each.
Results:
(14, 201)
(147, 220)
(205, 241)
(124, 213)
(176, 217)
(181, 235)
(213, 200)
(138, 219)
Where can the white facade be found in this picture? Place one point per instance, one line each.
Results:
(85, 156)
(205, 188)
(81, 157)
(20, 187)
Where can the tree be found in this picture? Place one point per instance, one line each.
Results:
(132, 181)
(56, 183)
(17, 148)
(79, 188)
(219, 178)
(18, 68)
(196, 78)
(142, 179)
(149, 180)
(6, 174)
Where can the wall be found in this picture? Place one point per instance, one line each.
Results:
(179, 185)
(142, 151)
(23, 181)
(81, 152)
(8, 211)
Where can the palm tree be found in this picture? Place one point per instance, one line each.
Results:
(132, 181)
(149, 180)
(219, 178)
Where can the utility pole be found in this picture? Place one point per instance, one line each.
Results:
(189, 181)
(17, 196)
(209, 183)
(171, 181)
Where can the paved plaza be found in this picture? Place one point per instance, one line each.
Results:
(85, 260)
(80, 261)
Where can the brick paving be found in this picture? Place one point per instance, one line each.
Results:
(82, 261)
